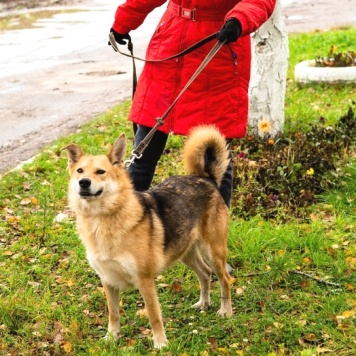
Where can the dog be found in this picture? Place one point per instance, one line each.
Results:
(131, 237)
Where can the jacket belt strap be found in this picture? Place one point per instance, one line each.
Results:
(195, 14)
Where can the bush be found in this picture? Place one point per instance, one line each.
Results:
(276, 177)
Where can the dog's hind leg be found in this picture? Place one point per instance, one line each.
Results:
(112, 298)
(218, 265)
(194, 261)
(147, 289)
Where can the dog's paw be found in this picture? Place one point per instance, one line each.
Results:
(224, 312)
(160, 341)
(201, 305)
(112, 335)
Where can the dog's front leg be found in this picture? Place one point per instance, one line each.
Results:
(148, 291)
(112, 298)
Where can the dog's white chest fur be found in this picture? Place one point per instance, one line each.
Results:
(119, 272)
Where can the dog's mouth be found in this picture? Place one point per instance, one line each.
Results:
(86, 194)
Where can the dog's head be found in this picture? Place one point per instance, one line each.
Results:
(93, 177)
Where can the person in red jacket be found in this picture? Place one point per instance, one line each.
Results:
(218, 96)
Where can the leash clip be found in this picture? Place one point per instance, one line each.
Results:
(133, 156)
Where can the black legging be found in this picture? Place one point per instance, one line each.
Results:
(143, 169)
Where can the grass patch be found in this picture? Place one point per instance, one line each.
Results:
(294, 292)
(305, 106)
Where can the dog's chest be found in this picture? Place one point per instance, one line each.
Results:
(119, 272)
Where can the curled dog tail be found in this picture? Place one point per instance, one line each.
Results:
(205, 153)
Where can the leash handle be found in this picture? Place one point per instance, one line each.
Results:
(180, 54)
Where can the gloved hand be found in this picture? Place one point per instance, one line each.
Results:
(230, 31)
(119, 38)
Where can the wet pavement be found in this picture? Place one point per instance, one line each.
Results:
(61, 72)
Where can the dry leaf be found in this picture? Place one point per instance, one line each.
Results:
(12, 219)
(175, 287)
(350, 287)
(307, 260)
(301, 322)
(348, 313)
(314, 217)
(213, 344)
(240, 291)
(351, 262)
(142, 313)
(232, 280)
(67, 347)
(7, 253)
(278, 325)
(25, 201)
(130, 342)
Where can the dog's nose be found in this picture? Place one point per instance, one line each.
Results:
(84, 183)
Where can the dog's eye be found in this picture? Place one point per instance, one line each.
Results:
(80, 170)
(100, 171)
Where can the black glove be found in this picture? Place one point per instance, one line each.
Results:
(230, 31)
(119, 38)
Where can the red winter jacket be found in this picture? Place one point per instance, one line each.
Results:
(219, 95)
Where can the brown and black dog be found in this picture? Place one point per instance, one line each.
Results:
(130, 237)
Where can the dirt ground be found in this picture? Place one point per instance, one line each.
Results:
(87, 94)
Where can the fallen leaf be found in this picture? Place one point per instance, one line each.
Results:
(142, 313)
(301, 322)
(26, 186)
(232, 280)
(67, 347)
(130, 342)
(34, 284)
(314, 217)
(25, 201)
(7, 253)
(310, 337)
(12, 219)
(278, 325)
(213, 344)
(175, 287)
(240, 291)
(351, 262)
(348, 313)
(350, 287)
(307, 260)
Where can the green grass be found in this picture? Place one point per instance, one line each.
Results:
(52, 303)
(305, 105)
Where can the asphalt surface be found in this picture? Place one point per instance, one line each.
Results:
(61, 73)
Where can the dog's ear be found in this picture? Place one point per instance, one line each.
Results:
(118, 150)
(74, 152)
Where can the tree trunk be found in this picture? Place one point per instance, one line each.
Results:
(270, 54)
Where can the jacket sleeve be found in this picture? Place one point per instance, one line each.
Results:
(251, 14)
(132, 13)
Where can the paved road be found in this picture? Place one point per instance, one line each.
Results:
(61, 73)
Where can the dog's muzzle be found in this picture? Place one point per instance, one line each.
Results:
(85, 189)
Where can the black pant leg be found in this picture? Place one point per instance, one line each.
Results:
(226, 183)
(142, 170)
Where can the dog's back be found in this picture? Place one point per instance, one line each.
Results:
(191, 207)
